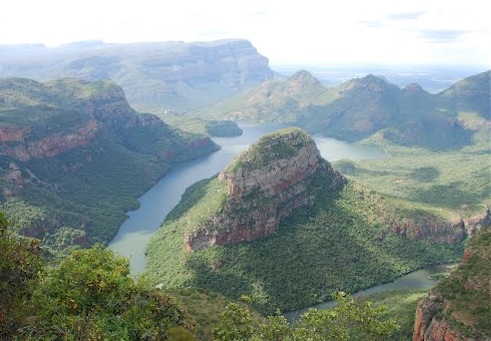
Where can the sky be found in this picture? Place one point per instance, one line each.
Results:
(310, 32)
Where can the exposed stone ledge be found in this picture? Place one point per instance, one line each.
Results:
(50, 146)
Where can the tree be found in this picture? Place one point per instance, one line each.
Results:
(351, 319)
(91, 296)
(20, 264)
(275, 328)
(235, 324)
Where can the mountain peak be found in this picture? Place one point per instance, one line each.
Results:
(371, 78)
(274, 146)
(263, 186)
(414, 91)
(305, 77)
(413, 87)
(471, 94)
(371, 83)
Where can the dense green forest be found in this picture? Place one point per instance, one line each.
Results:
(89, 295)
(341, 243)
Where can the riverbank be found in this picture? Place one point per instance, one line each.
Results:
(419, 280)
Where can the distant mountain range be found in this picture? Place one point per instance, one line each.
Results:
(155, 76)
(74, 156)
(362, 107)
(176, 78)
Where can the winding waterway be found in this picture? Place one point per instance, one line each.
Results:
(420, 279)
(134, 234)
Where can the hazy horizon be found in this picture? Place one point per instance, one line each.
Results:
(386, 32)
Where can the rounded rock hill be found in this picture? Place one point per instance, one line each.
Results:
(261, 187)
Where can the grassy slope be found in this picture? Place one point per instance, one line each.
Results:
(455, 182)
(333, 246)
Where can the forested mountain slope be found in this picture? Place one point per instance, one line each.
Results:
(362, 107)
(74, 156)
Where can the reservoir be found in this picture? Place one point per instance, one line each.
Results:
(134, 234)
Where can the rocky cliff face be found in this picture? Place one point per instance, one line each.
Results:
(443, 231)
(458, 308)
(20, 145)
(231, 62)
(264, 185)
(430, 328)
(477, 222)
(71, 114)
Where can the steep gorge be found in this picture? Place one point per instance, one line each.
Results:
(72, 149)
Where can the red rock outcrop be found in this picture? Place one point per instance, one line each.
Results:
(429, 327)
(12, 134)
(95, 110)
(261, 196)
(438, 231)
(21, 146)
(457, 309)
(443, 231)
